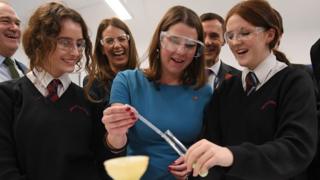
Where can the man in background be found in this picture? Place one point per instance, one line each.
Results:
(10, 34)
(213, 27)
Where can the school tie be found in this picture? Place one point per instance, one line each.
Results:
(53, 90)
(251, 83)
(12, 69)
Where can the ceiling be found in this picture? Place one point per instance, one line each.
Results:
(299, 15)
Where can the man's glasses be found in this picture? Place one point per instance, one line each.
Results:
(67, 44)
(172, 42)
(110, 41)
(242, 34)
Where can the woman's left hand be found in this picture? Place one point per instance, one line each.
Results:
(179, 169)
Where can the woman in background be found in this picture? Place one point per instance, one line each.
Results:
(114, 51)
(47, 130)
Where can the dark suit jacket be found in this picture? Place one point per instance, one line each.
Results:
(224, 70)
(314, 169)
(315, 60)
(22, 67)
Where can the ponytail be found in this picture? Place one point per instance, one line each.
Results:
(280, 56)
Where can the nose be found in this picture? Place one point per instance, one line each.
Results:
(181, 49)
(74, 50)
(116, 43)
(15, 29)
(207, 40)
(235, 40)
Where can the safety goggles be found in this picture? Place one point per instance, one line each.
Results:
(110, 41)
(173, 43)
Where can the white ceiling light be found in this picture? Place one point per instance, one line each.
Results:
(119, 9)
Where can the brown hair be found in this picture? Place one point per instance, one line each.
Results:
(39, 38)
(194, 74)
(259, 13)
(213, 16)
(100, 65)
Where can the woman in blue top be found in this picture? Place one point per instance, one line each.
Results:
(171, 93)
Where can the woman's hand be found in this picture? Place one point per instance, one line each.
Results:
(117, 119)
(204, 154)
(179, 169)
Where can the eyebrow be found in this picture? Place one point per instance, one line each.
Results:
(10, 18)
(69, 38)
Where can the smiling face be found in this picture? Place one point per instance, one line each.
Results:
(248, 43)
(173, 63)
(213, 40)
(68, 50)
(9, 30)
(116, 47)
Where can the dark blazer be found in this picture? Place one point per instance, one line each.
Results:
(22, 67)
(224, 70)
(314, 168)
(315, 60)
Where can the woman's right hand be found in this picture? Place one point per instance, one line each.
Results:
(117, 119)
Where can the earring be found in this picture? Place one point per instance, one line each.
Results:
(158, 54)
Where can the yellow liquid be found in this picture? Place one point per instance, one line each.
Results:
(127, 168)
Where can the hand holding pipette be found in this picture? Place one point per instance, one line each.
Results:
(117, 119)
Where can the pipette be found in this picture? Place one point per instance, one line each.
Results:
(170, 138)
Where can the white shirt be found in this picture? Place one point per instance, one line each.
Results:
(41, 79)
(264, 71)
(215, 69)
(4, 70)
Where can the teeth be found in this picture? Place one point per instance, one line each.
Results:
(177, 61)
(241, 51)
(118, 53)
(11, 35)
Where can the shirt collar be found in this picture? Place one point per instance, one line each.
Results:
(45, 78)
(263, 69)
(215, 68)
(2, 58)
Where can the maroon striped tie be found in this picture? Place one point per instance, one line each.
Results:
(53, 90)
(251, 83)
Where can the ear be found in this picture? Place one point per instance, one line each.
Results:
(270, 35)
